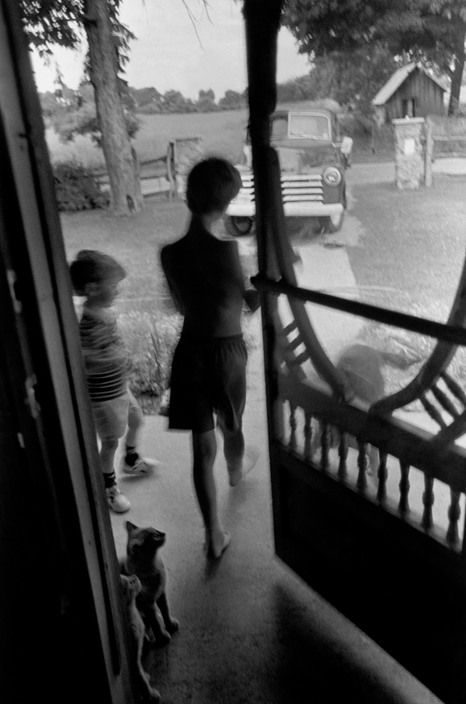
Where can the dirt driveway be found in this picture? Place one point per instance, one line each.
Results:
(406, 248)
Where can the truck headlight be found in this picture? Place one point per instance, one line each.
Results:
(332, 176)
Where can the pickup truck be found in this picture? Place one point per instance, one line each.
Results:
(313, 160)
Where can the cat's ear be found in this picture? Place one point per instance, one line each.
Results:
(135, 583)
(130, 526)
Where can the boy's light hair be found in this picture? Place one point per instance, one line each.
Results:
(91, 266)
(211, 185)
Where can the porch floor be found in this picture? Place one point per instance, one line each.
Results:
(251, 632)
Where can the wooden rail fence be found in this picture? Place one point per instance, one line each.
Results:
(165, 173)
(444, 137)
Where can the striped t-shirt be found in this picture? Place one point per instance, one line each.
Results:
(105, 358)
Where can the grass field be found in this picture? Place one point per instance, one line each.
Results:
(222, 133)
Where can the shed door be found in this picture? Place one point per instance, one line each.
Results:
(408, 107)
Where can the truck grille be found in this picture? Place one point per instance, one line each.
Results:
(302, 188)
(296, 188)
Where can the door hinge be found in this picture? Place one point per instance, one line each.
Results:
(11, 278)
(30, 399)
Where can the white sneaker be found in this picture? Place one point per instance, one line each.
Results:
(116, 500)
(140, 468)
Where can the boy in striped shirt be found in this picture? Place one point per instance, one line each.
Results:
(97, 276)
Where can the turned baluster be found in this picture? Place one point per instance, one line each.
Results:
(293, 425)
(343, 455)
(454, 513)
(362, 467)
(382, 475)
(324, 447)
(307, 436)
(428, 501)
(403, 505)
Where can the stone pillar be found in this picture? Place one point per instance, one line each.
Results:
(409, 152)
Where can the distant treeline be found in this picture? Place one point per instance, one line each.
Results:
(150, 101)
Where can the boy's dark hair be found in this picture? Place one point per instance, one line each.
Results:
(211, 185)
(91, 266)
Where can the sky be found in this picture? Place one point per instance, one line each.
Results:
(174, 51)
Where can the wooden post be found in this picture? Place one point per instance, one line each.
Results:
(171, 169)
(428, 153)
(262, 22)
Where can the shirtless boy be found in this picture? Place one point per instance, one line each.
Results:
(208, 378)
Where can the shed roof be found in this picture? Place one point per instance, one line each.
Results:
(395, 81)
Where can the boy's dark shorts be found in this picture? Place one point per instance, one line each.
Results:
(208, 377)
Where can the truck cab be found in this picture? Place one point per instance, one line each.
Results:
(313, 161)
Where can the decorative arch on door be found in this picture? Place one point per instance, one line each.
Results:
(397, 572)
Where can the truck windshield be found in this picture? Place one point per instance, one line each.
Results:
(302, 126)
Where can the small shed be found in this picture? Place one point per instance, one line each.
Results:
(409, 92)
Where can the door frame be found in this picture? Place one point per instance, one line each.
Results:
(52, 420)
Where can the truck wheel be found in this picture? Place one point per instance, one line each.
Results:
(238, 226)
(332, 223)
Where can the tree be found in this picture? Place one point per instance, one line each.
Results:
(75, 113)
(440, 40)
(232, 100)
(60, 22)
(147, 96)
(206, 101)
(352, 78)
(174, 101)
(432, 31)
(51, 105)
(103, 72)
(301, 88)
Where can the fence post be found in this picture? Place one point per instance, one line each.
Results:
(171, 169)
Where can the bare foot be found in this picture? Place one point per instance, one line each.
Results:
(217, 543)
(251, 455)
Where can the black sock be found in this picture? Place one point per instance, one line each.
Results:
(109, 479)
(131, 455)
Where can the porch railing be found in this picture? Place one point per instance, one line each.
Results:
(414, 472)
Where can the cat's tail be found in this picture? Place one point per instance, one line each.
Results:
(401, 360)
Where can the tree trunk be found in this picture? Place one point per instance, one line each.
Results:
(457, 75)
(125, 185)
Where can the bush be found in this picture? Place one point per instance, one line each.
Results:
(150, 339)
(76, 188)
(355, 124)
(368, 138)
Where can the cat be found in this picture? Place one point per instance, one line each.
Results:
(143, 559)
(361, 368)
(131, 587)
